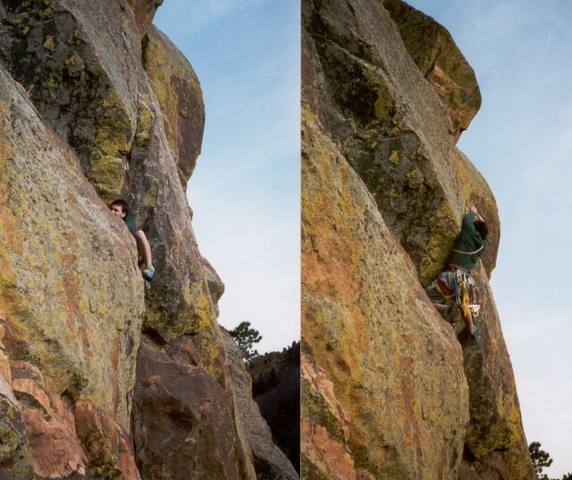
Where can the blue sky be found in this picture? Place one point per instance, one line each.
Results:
(245, 192)
(521, 140)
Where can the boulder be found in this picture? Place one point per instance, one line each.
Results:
(182, 413)
(82, 72)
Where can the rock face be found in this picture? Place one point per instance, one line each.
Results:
(382, 379)
(434, 52)
(100, 378)
(179, 94)
(71, 300)
(388, 391)
(269, 461)
(181, 413)
(144, 11)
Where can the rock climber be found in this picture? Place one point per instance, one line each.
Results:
(455, 284)
(120, 208)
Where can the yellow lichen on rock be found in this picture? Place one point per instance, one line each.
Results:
(52, 314)
(114, 135)
(49, 43)
(375, 119)
(196, 315)
(159, 68)
(355, 332)
(179, 94)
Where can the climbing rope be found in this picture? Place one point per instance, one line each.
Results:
(469, 253)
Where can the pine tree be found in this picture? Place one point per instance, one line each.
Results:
(540, 460)
(246, 337)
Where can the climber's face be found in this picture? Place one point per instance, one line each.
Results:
(118, 210)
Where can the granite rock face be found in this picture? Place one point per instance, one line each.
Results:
(181, 413)
(388, 389)
(71, 299)
(179, 94)
(434, 52)
(144, 11)
(85, 119)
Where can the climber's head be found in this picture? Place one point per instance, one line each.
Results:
(120, 208)
(482, 228)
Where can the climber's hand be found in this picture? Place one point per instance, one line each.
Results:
(476, 212)
(148, 273)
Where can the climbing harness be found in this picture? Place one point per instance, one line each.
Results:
(456, 287)
(467, 294)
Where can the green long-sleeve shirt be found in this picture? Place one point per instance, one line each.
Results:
(469, 240)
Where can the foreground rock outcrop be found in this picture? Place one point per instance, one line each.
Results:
(388, 389)
(71, 307)
(100, 378)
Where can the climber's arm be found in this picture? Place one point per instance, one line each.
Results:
(468, 225)
(143, 248)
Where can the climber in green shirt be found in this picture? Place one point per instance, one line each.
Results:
(470, 243)
(455, 284)
(120, 208)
